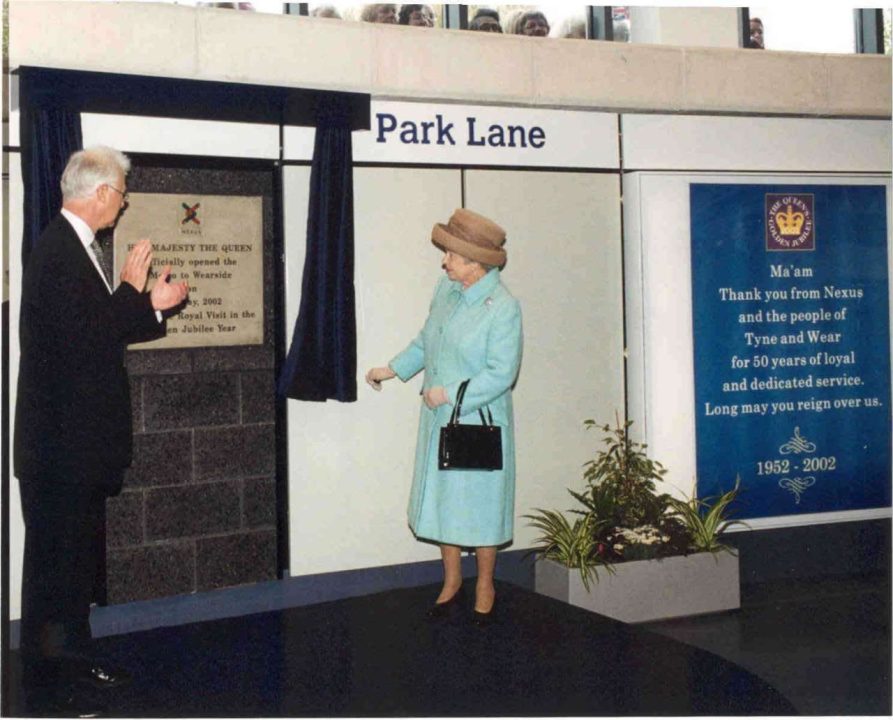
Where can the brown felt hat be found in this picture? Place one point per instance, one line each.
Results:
(472, 236)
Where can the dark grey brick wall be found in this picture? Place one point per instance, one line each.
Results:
(198, 507)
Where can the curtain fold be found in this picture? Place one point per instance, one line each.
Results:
(49, 135)
(322, 360)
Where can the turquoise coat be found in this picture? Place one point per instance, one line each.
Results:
(476, 334)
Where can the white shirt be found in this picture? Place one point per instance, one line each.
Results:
(87, 236)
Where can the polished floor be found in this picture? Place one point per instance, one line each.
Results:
(379, 656)
(791, 650)
(824, 644)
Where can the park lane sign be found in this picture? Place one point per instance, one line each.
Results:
(414, 133)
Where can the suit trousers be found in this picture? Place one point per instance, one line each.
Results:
(64, 525)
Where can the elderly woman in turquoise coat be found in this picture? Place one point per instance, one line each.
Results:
(473, 332)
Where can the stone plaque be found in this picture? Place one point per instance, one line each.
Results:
(215, 243)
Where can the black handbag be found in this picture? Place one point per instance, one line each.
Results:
(469, 447)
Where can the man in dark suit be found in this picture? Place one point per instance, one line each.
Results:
(73, 430)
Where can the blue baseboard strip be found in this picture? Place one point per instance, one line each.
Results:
(512, 566)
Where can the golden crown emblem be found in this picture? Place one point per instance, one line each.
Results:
(789, 222)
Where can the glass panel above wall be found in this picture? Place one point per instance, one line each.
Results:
(395, 13)
(888, 25)
(548, 21)
(275, 7)
(829, 28)
(620, 21)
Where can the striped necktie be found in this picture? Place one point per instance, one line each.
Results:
(103, 262)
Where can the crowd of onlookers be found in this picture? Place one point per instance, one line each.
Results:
(529, 22)
(756, 34)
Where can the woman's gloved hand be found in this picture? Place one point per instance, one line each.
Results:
(435, 397)
(376, 376)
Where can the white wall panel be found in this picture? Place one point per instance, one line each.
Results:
(135, 133)
(14, 268)
(13, 108)
(350, 464)
(634, 308)
(659, 315)
(698, 26)
(297, 142)
(564, 267)
(132, 133)
(688, 142)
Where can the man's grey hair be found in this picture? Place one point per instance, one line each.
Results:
(89, 168)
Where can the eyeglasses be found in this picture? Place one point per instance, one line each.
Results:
(123, 193)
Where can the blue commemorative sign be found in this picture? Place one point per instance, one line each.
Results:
(792, 346)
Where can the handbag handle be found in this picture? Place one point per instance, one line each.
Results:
(460, 396)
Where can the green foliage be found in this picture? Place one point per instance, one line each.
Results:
(569, 545)
(705, 519)
(625, 476)
(623, 516)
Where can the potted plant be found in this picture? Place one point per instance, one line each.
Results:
(631, 552)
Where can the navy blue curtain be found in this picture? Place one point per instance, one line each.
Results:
(322, 360)
(49, 136)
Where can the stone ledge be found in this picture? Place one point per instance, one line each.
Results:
(459, 66)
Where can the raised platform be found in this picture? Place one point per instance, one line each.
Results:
(377, 655)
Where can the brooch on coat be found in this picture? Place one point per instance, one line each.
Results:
(488, 302)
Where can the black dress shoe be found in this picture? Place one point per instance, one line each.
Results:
(484, 619)
(446, 609)
(65, 702)
(103, 676)
(73, 705)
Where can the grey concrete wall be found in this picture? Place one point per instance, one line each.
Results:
(210, 44)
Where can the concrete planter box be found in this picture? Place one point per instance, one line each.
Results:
(644, 590)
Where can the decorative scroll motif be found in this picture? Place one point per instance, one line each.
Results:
(797, 485)
(797, 444)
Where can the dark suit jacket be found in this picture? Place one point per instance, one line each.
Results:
(73, 418)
